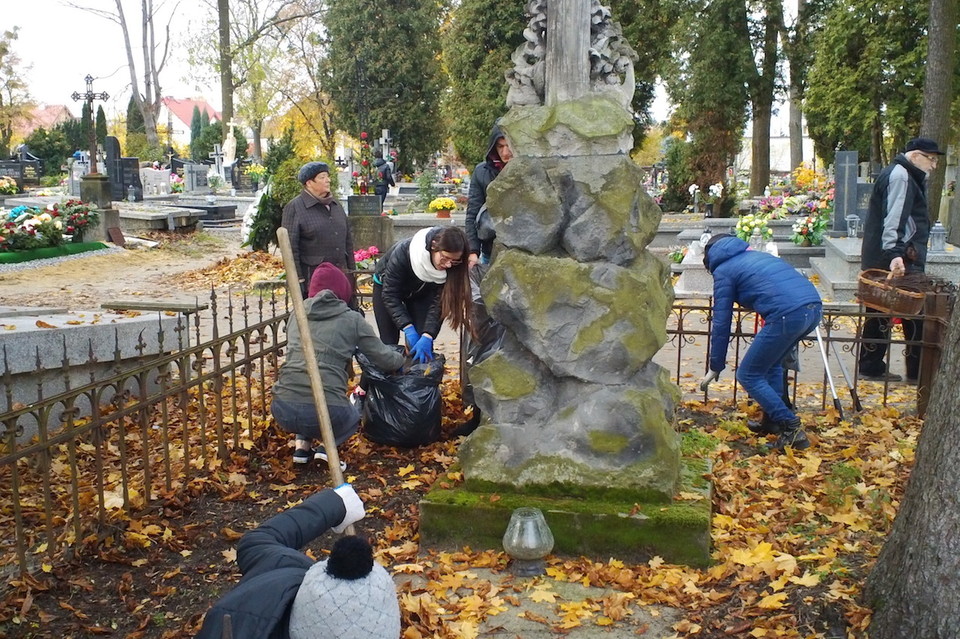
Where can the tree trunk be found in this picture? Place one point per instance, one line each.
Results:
(938, 90)
(149, 101)
(795, 128)
(226, 66)
(912, 586)
(257, 128)
(760, 164)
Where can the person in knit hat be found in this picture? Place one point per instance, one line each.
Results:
(284, 594)
(337, 332)
(317, 225)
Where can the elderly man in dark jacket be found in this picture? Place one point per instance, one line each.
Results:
(286, 595)
(498, 154)
(895, 238)
(790, 307)
(317, 224)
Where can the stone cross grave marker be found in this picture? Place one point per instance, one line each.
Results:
(217, 156)
(89, 96)
(845, 197)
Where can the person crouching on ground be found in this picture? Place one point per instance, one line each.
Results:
(790, 307)
(337, 332)
(284, 594)
(420, 282)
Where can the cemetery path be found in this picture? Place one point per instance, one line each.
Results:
(84, 283)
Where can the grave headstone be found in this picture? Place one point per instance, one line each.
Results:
(155, 181)
(25, 169)
(130, 176)
(176, 166)
(112, 168)
(847, 171)
(195, 177)
(79, 167)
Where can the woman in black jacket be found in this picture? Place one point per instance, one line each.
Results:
(420, 282)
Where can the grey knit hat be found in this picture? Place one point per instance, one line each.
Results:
(349, 596)
(311, 170)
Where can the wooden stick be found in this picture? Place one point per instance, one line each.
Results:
(310, 360)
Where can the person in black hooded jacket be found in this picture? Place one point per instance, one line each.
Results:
(384, 179)
(498, 154)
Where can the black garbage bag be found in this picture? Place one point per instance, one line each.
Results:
(403, 408)
(488, 333)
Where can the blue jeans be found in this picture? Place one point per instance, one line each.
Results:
(301, 419)
(761, 370)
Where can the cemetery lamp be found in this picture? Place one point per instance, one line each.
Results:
(528, 540)
(853, 225)
(938, 238)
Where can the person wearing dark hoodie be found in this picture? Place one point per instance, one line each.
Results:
(284, 594)
(420, 282)
(317, 225)
(497, 156)
(790, 307)
(895, 236)
(384, 179)
(337, 332)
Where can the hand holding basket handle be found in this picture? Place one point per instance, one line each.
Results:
(897, 269)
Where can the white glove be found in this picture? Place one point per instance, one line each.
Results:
(352, 503)
(709, 377)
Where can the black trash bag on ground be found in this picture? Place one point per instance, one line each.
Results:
(403, 408)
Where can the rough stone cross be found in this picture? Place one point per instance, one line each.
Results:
(567, 57)
(89, 96)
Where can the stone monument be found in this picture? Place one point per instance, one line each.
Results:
(577, 418)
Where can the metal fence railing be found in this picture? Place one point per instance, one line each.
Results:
(75, 461)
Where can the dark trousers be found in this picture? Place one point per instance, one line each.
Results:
(873, 356)
(418, 308)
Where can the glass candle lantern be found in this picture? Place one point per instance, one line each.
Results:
(528, 540)
(938, 238)
(853, 225)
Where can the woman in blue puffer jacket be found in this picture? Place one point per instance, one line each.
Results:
(790, 307)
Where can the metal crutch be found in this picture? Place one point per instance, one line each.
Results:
(826, 369)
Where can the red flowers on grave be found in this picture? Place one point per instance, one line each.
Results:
(363, 135)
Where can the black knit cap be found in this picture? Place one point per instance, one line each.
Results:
(310, 170)
(711, 242)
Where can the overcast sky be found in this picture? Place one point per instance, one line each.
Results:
(62, 45)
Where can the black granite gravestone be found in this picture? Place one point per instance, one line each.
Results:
(112, 149)
(130, 176)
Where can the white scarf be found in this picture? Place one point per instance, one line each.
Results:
(420, 260)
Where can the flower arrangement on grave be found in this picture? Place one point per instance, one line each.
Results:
(750, 222)
(677, 254)
(714, 193)
(77, 217)
(176, 183)
(809, 230)
(362, 179)
(214, 180)
(8, 186)
(366, 258)
(256, 172)
(441, 204)
(28, 227)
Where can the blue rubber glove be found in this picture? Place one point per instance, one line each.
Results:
(422, 351)
(412, 336)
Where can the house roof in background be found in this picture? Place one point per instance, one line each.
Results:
(46, 116)
(183, 109)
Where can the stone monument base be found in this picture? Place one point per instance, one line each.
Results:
(678, 531)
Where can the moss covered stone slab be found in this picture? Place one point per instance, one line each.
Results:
(452, 516)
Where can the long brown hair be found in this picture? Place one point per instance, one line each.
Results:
(456, 300)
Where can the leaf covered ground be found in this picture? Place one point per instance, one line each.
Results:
(794, 536)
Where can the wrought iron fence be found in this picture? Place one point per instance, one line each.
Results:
(116, 444)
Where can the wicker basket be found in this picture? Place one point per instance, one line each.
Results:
(876, 290)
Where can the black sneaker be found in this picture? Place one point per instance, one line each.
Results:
(792, 435)
(883, 377)
(765, 426)
(320, 453)
(302, 456)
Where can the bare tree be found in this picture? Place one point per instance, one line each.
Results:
(155, 54)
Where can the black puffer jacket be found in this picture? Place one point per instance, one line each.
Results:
(401, 285)
(483, 175)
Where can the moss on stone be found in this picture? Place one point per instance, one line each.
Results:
(592, 116)
(604, 442)
(508, 380)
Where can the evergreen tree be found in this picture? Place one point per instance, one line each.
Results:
(863, 92)
(72, 131)
(280, 152)
(101, 127)
(196, 126)
(51, 147)
(211, 135)
(135, 122)
(86, 125)
(398, 53)
(477, 46)
(204, 120)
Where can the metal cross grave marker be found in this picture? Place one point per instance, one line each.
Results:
(89, 96)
